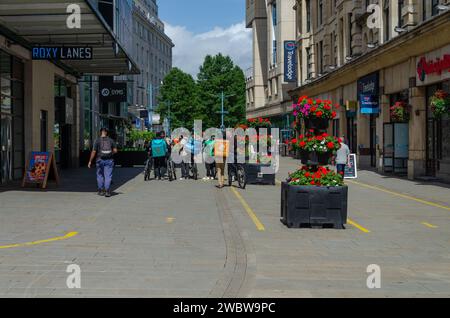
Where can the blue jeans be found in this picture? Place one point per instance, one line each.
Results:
(104, 174)
(340, 168)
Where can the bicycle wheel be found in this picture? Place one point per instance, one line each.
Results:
(241, 177)
(195, 172)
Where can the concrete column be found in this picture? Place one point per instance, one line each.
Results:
(417, 133)
(381, 120)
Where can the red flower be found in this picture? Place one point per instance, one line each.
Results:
(333, 114)
(307, 175)
(313, 183)
(319, 114)
(302, 144)
(294, 141)
(327, 107)
(330, 145)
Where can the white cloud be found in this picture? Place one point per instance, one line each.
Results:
(191, 49)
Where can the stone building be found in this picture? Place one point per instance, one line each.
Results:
(368, 55)
(273, 26)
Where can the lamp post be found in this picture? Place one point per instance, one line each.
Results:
(222, 111)
(151, 89)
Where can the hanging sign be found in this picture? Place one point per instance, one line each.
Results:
(41, 167)
(290, 61)
(112, 92)
(368, 94)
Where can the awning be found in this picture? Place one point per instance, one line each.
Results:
(43, 23)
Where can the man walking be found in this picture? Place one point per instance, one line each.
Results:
(221, 152)
(103, 152)
(342, 157)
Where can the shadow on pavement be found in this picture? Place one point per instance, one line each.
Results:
(79, 180)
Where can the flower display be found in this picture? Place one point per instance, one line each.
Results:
(440, 104)
(314, 108)
(322, 143)
(400, 112)
(259, 123)
(320, 176)
(317, 144)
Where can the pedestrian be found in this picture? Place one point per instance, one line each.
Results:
(210, 162)
(103, 152)
(185, 158)
(221, 149)
(159, 152)
(342, 156)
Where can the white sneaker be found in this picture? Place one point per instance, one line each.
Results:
(181, 179)
(205, 178)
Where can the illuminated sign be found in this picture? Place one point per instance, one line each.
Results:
(58, 53)
(290, 61)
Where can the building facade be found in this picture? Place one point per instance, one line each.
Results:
(40, 93)
(152, 50)
(97, 111)
(269, 80)
(368, 55)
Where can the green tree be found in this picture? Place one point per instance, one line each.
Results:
(179, 92)
(218, 73)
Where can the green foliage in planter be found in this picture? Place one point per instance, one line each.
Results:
(320, 176)
(440, 104)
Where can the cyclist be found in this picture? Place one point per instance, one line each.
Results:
(159, 151)
(209, 158)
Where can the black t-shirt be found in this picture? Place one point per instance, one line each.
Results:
(104, 147)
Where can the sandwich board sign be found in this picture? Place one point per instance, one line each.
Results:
(40, 168)
(351, 169)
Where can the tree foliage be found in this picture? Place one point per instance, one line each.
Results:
(192, 100)
(179, 93)
(218, 73)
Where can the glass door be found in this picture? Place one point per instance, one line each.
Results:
(5, 149)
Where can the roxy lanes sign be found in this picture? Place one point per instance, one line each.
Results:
(58, 53)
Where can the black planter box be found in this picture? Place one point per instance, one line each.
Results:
(254, 175)
(310, 206)
(315, 158)
(130, 158)
(315, 123)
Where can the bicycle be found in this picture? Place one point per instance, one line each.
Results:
(171, 170)
(193, 170)
(148, 169)
(236, 171)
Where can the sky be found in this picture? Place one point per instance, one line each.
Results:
(201, 27)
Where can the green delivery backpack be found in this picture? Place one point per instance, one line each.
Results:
(159, 148)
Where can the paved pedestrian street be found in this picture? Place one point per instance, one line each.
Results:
(190, 239)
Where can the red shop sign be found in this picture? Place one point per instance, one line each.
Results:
(437, 66)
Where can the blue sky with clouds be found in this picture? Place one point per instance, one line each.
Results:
(201, 27)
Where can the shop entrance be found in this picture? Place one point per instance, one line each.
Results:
(396, 148)
(63, 124)
(12, 157)
(437, 134)
(5, 149)
(352, 134)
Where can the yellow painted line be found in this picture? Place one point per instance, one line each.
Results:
(170, 220)
(358, 226)
(431, 226)
(405, 196)
(55, 239)
(249, 211)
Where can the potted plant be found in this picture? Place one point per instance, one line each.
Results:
(314, 195)
(440, 104)
(316, 113)
(400, 112)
